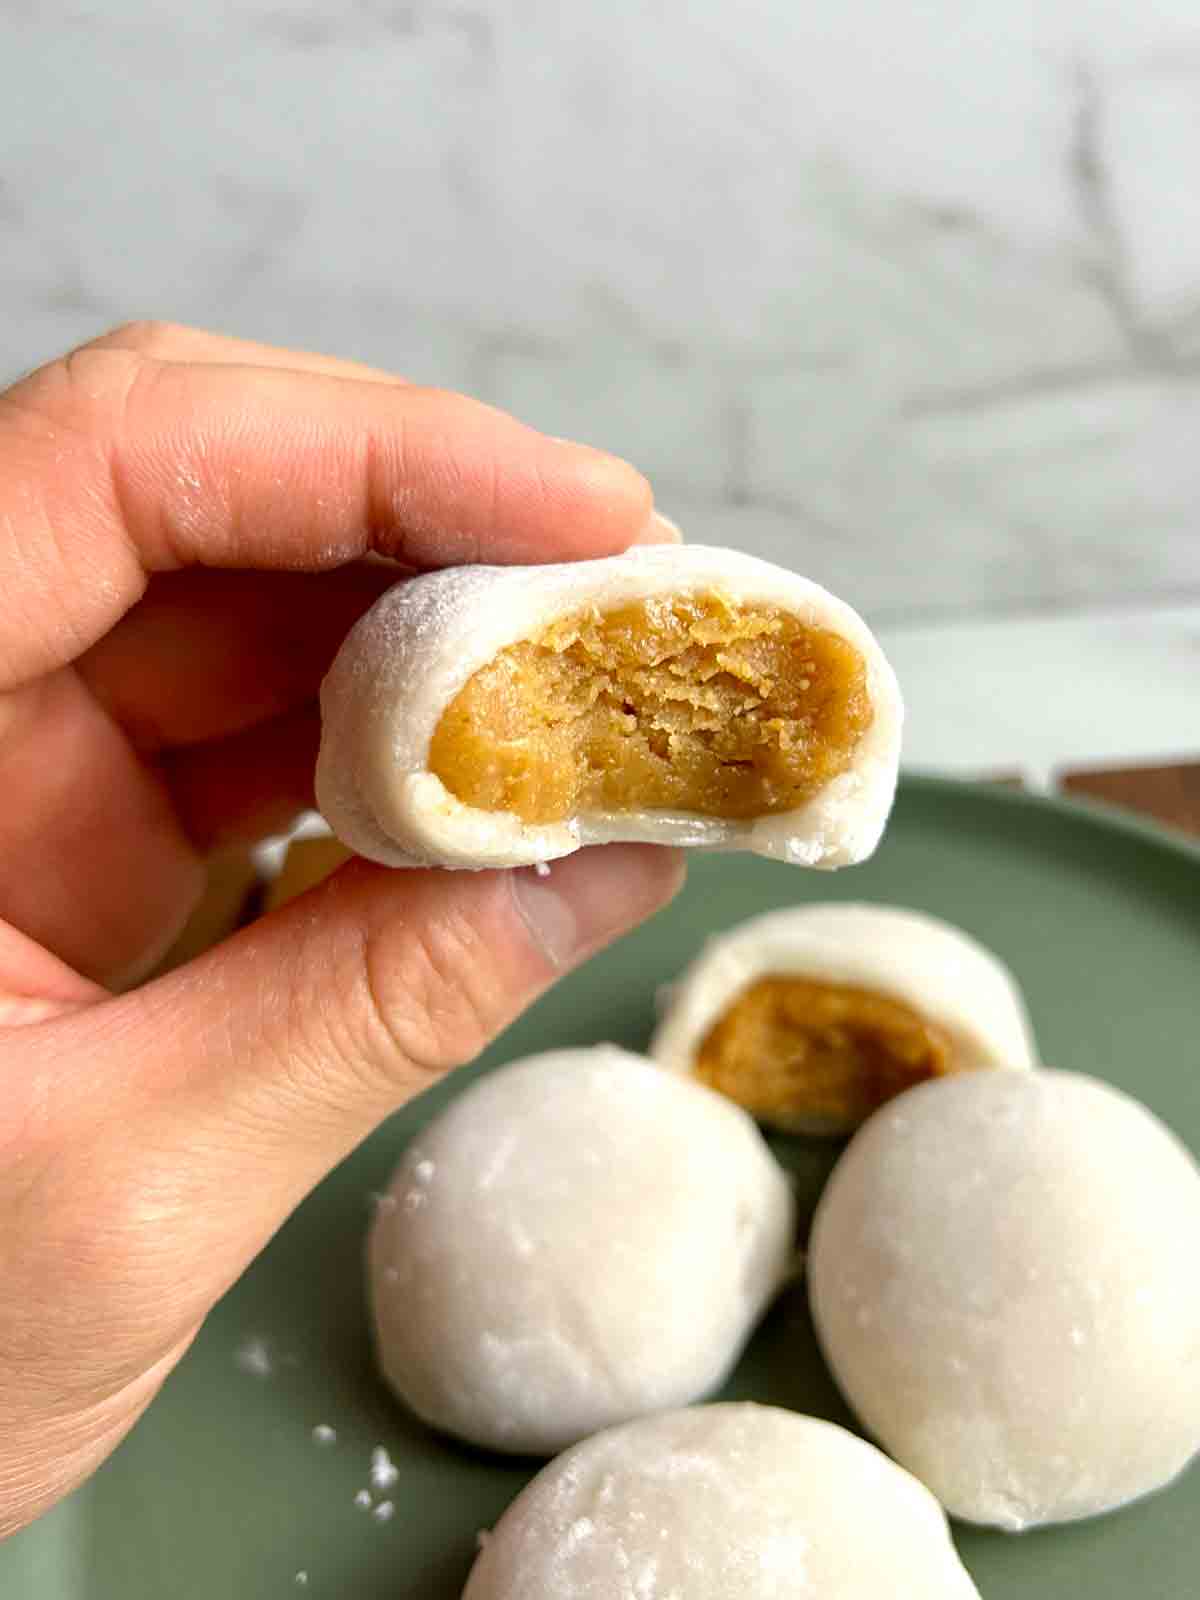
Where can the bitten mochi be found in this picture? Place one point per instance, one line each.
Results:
(499, 716)
(578, 1239)
(814, 1016)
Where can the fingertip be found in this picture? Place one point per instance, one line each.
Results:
(660, 530)
(618, 498)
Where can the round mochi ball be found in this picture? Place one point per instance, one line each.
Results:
(1004, 1273)
(579, 1239)
(725, 1502)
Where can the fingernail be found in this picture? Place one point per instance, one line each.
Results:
(589, 898)
(660, 530)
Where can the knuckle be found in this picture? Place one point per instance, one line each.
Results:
(92, 379)
(76, 392)
(144, 336)
(95, 374)
(432, 1004)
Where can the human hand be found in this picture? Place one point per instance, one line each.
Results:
(183, 519)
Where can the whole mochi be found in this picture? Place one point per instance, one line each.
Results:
(725, 1502)
(580, 1238)
(1004, 1273)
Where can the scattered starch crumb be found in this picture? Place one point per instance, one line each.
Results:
(383, 1202)
(254, 1357)
(580, 1531)
(302, 1579)
(383, 1473)
(384, 1511)
(542, 868)
(362, 1499)
(324, 1434)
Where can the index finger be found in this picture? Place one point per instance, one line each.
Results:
(175, 341)
(114, 465)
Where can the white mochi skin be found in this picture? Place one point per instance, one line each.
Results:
(938, 970)
(722, 1502)
(1004, 1273)
(405, 661)
(578, 1239)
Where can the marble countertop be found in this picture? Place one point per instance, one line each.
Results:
(907, 297)
(1042, 696)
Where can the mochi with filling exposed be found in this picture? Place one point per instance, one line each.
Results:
(1005, 1281)
(578, 1239)
(497, 716)
(814, 1016)
(723, 1502)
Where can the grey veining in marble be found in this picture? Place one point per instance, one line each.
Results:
(906, 296)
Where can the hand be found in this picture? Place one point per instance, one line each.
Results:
(182, 525)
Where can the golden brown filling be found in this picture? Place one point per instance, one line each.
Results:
(686, 703)
(799, 1053)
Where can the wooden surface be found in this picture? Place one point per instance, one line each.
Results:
(1168, 794)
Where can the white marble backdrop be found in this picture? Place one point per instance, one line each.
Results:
(907, 295)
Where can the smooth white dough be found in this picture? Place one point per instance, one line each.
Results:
(404, 662)
(937, 969)
(577, 1240)
(724, 1502)
(1005, 1279)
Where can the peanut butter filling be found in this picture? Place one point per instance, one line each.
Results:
(798, 1053)
(681, 703)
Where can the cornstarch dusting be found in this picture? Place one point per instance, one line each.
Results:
(254, 1357)
(383, 1472)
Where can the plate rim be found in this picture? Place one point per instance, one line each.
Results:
(1099, 815)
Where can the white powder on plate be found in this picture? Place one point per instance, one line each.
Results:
(383, 1473)
(254, 1357)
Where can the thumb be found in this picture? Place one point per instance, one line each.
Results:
(226, 1090)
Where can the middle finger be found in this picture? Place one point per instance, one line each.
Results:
(205, 654)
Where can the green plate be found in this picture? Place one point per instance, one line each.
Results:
(222, 1491)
